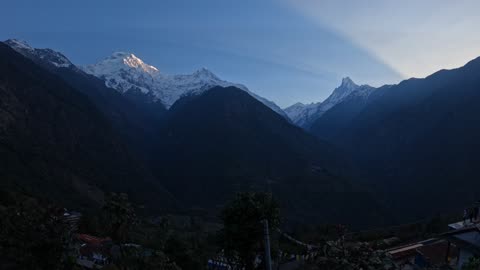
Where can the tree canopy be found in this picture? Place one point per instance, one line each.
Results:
(32, 235)
(242, 234)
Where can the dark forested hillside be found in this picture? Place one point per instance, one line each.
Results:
(54, 142)
(418, 140)
(337, 120)
(225, 141)
(64, 135)
(134, 116)
(135, 119)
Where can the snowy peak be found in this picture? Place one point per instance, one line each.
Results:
(205, 74)
(17, 44)
(48, 56)
(120, 61)
(294, 110)
(304, 115)
(300, 113)
(345, 89)
(130, 60)
(348, 83)
(126, 72)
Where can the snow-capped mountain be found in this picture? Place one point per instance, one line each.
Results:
(50, 56)
(301, 114)
(126, 72)
(304, 115)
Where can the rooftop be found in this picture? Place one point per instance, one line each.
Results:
(92, 240)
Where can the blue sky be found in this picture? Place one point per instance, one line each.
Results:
(287, 51)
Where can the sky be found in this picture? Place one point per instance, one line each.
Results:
(285, 50)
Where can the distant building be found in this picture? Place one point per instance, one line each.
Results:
(432, 253)
(451, 249)
(438, 254)
(93, 252)
(404, 256)
(71, 218)
(467, 239)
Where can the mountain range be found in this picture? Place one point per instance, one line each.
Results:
(133, 78)
(416, 142)
(194, 153)
(128, 74)
(54, 142)
(224, 141)
(304, 115)
(363, 156)
(134, 117)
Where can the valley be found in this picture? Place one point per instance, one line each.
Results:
(121, 133)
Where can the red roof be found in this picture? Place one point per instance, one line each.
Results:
(88, 250)
(404, 251)
(92, 239)
(435, 253)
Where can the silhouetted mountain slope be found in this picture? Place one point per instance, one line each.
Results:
(225, 141)
(126, 73)
(54, 141)
(134, 116)
(418, 141)
(204, 149)
(339, 118)
(305, 115)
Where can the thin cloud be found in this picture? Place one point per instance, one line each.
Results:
(414, 37)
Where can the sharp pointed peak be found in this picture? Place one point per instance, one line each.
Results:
(348, 81)
(204, 72)
(123, 58)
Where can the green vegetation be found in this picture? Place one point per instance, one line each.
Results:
(31, 234)
(118, 216)
(472, 264)
(161, 243)
(341, 255)
(242, 235)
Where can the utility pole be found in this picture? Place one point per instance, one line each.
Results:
(266, 233)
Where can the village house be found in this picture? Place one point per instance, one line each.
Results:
(450, 250)
(93, 252)
(467, 240)
(435, 252)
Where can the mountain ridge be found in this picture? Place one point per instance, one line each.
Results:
(304, 115)
(418, 138)
(231, 142)
(135, 117)
(55, 143)
(126, 72)
(130, 75)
